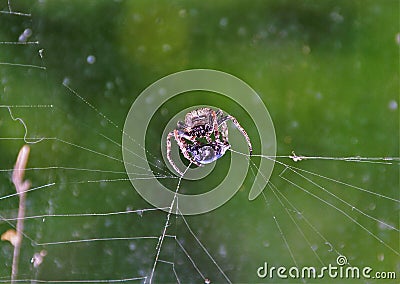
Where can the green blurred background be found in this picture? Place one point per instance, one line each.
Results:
(328, 72)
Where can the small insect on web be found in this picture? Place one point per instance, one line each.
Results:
(203, 136)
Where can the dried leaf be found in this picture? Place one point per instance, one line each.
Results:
(11, 236)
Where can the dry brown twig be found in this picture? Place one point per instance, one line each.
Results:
(21, 186)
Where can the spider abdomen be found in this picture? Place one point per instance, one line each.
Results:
(206, 154)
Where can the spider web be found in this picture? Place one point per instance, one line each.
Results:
(84, 222)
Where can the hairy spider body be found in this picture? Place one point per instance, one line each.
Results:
(203, 136)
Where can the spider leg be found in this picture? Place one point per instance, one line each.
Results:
(208, 138)
(169, 152)
(215, 125)
(208, 135)
(221, 120)
(224, 132)
(183, 146)
(180, 125)
(184, 131)
(240, 128)
(221, 117)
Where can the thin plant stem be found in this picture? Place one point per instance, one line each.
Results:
(21, 186)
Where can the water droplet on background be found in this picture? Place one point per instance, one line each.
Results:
(91, 59)
(392, 105)
(182, 13)
(336, 17)
(222, 250)
(66, 81)
(223, 22)
(132, 246)
(166, 47)
(26, 34)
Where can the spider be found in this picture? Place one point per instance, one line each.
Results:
(203, 137)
